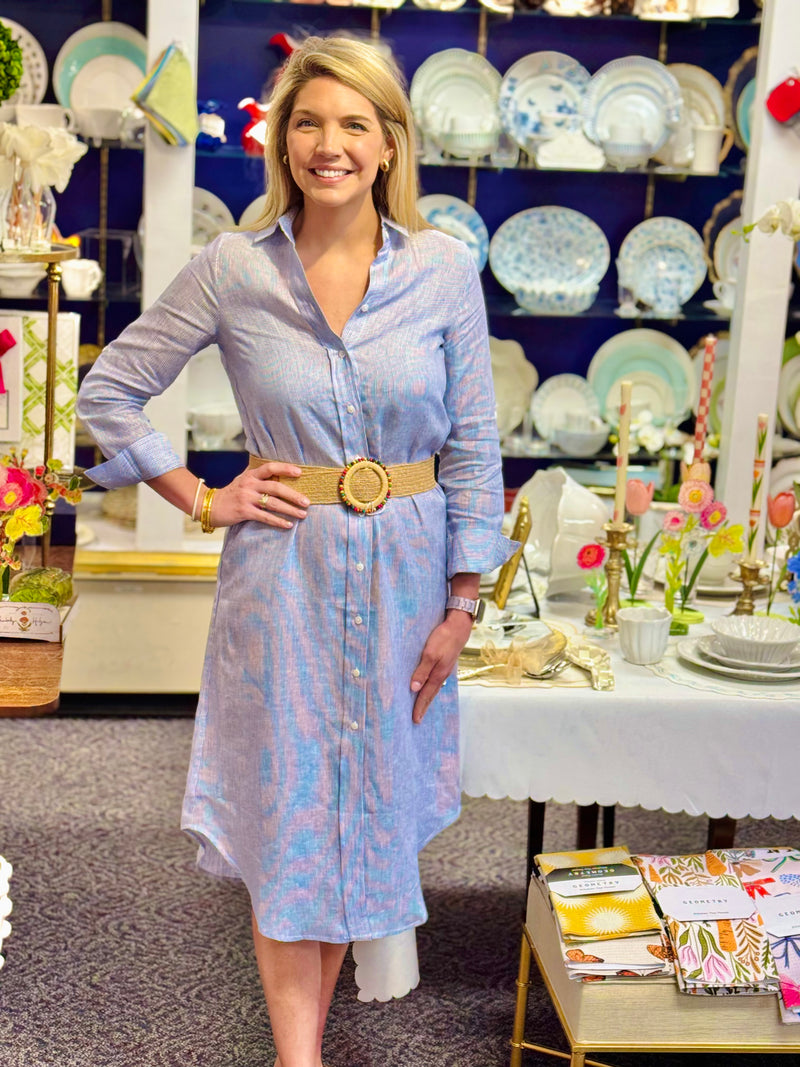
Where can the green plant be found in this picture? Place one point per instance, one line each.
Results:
(10, 63)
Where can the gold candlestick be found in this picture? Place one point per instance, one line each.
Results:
(616, 541)
(750, 576)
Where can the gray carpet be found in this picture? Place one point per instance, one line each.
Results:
(121, 954)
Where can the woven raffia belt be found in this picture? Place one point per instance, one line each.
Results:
(363, 485)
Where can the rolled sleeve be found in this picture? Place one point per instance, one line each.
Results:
(140, 364)
(470, 469)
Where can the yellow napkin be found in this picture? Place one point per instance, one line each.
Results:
(169, 99)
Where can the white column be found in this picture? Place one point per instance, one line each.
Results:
(167, 208)
(758, 327)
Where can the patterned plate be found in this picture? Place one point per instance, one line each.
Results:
(628, 91)
(558, 396)
(549, 246)
(663, 248)
(210, 204)
(723, 213)
(789, 395)
(540, 97)
(454, 83)
(456, 217)
(33, 83)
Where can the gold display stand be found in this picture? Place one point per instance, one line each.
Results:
(639, 1016)
(31, 675)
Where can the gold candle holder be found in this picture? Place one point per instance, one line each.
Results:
(616, 541)
(750, 576)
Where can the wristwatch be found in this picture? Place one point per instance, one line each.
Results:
(462, 603)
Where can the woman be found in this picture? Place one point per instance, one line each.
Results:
(348, 329)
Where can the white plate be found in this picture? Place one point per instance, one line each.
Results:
(789, 394)
(727, 250)
(540, 97)
(501, 634)
(632, 90)
(253, 211)
(559, 395)
(784, 474)
(634, 351)
(455, 86)
(668, 244)
(210, 204)
(703, 105)
(549, 245)
(711, 647)
(105, 61)
(204, 228)
(33, 83)
(688, 650)
(455, 217)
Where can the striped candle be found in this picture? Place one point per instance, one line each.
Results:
(762, 426)
(623, 449)
(705, 396)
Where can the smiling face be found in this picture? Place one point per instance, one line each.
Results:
(335, 145)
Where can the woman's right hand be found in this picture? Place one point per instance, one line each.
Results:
(255, 496)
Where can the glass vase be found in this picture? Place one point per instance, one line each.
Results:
(27, 214)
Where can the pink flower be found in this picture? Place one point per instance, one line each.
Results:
(638, 496)
(695, 495)
(780, 509)
(18, 489)
(591, 556)
(713, 516)
(673, 521)
(717, 969)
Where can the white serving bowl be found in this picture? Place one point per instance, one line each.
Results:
(556, 302)
(625, 156)
(581, 442)
(756, 638)
(20, 279)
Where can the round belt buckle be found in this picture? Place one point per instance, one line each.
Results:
(365, 485)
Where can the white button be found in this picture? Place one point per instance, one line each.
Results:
(356, 672)
(364, 307)
(359, 566)
(354, 725)
(358, 620)
(350, 409)
(342, 355)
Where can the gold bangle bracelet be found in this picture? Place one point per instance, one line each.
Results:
(205, 511)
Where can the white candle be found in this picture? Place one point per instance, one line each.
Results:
(622, 451)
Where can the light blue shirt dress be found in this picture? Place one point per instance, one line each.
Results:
(308, 779)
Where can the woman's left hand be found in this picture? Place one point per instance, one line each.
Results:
(438, 659)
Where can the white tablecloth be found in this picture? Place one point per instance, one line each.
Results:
(650, 742)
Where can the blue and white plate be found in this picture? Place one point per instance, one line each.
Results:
(540, 97)
(659, 367)
(456, 217)
(103, 62)
(661, 253)
(632, 93)
(546, 247)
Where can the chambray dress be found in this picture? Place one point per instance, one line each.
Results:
(308, 779)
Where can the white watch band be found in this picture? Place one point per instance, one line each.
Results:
(462, 603)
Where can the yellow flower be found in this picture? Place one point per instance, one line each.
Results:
(728, 539)
(24, 521)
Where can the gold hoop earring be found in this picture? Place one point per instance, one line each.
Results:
(284, 159)
(385, 164)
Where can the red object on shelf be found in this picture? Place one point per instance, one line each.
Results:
(254, 133)
(783, 103)
(7, 341)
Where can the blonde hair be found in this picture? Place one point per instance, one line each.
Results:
(375, 75)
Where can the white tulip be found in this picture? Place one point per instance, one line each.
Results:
(770, 220)
(789, 217)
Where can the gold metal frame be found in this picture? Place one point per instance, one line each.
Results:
(521, 532)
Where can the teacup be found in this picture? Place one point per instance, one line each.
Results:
(643, 633)
(99, 123)
(214, 425)
(46, 115)
(711, 145)
(80, 277)
(725, 291)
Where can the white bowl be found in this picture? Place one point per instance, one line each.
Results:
(624, 156)
(20, 279)
(556, 302)
(581, 442)
(756, 638)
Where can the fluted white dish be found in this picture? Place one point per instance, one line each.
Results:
(710, 646)
(759, 639)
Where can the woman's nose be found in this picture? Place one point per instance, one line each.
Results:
(330, 139)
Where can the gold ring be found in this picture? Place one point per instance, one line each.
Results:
(263, 500)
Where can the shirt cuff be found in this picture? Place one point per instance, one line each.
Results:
(146, 458)
(475, 552)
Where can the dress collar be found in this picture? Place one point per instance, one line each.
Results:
(388, 229)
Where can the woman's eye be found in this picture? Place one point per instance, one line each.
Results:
(357, 126)
(304, 122)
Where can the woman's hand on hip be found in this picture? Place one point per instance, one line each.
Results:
(438, 659)
(256, 496)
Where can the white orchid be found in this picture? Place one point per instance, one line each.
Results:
(783, 215)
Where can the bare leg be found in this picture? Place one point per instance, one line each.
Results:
(298, 979)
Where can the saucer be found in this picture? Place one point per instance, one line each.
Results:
(712, 648)
(688, 650)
